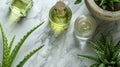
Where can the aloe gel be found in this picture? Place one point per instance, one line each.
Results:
(59, 17)
(19, 9)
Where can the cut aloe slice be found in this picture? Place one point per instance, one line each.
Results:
(19, 9)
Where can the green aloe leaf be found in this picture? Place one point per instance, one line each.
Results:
(78, 1)
(11, 43)
(107, 52)
(6, 50)
(117, 47)
(111, 44)
(100, 44)
(102, 65)
(112, 62)
(116, 51)
(17, 47)
(100, 55)
(95, 46)
(28, 56)
(98, 50)
(94, 65)
(90, 57)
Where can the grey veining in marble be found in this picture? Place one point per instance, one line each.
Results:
(58, 51)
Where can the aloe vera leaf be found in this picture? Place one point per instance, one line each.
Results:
(11, 43)
(98, 51)
(94, 46)
(117, 47)
(112, 62)
(6, 51)
(89, 57)
(26, 58)
(116, 51)
(110, 48)
(19, 44)
(101, 65)
(107, 52)
(100, 44)
(10, 46)
(105, 61)
(94, 65)
(100, 55)
(111, 45)
(77, 1)
(115, 56)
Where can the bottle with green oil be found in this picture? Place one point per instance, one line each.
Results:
(19, 9)
(59, 16)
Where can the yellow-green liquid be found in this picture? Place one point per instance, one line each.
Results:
(59, 24)
(20, 5)
(58, 28)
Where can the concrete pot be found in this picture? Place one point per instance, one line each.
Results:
(101, 13)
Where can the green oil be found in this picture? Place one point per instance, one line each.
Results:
(59, 24)
(19, 4)
(19, 9)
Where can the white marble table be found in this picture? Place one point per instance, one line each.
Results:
(57, 52)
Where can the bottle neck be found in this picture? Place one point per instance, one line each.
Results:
(60, 9)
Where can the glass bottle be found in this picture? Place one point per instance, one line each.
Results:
(19, 9)
(59, 16)
(84, 27)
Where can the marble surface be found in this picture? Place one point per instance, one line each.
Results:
(58, 51)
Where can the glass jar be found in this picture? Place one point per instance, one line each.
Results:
(19, 9)
(84, 27)
(59, 16)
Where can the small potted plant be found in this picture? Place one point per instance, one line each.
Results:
(103, 9)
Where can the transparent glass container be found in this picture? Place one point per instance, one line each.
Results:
(59, 17)
(19, 9)
(84, 27)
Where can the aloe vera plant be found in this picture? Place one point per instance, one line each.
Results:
(9, 55)
(107, 53)
(19, 9)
